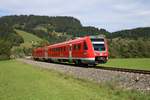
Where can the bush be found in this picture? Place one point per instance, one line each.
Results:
(5, 49)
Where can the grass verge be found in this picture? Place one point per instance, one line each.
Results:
(19, 81)
(132, 63)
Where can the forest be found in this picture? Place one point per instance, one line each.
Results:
(133, 43)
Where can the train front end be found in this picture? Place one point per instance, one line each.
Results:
(100, 49)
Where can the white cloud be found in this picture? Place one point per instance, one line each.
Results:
(110, 14)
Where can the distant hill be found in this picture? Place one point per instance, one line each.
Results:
(44, 26)
(132, 43)
(143, 32)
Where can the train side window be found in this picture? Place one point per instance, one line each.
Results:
(74, 47)
(79, 46)
(85, 45)
(64, 48)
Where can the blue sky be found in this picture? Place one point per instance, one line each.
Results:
(111, 15)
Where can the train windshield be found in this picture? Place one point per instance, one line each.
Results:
(98, 44)
(99, 47)
(97, 39)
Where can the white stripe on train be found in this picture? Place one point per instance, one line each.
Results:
(97, 42)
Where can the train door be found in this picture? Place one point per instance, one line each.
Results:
(70, 53)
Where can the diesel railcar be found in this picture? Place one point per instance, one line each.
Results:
(84, 50)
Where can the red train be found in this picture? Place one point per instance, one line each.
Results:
(85, 50)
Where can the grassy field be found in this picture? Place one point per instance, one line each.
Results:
(133, 63)
(28, 37)
(20, 81)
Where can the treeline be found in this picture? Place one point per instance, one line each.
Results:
(129, 48)
(132, 33)
(131, 43)
(8, 39)
(43, 26)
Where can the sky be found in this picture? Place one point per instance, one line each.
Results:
(112, 15)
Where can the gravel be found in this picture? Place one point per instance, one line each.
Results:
(118, 79)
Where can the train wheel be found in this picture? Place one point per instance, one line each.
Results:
(79, 63)
(34, 59)
(94, 65)
(76, 62)
(82, 64)
(50, 61)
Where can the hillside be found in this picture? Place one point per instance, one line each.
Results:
(132, 43)
(28, 38)
(44, 26)
(30, 41)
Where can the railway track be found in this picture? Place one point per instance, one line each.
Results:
(107, 68)
(125, 70)
(111, 68)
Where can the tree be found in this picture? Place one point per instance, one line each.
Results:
(5, 49)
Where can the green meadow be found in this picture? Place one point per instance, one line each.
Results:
(132, 63)
(19, 81)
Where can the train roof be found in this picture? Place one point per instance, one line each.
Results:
(70, 41)
(75, 40)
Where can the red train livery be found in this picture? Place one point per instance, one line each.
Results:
(85, 50)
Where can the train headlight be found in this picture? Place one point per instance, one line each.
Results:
(101, 54)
